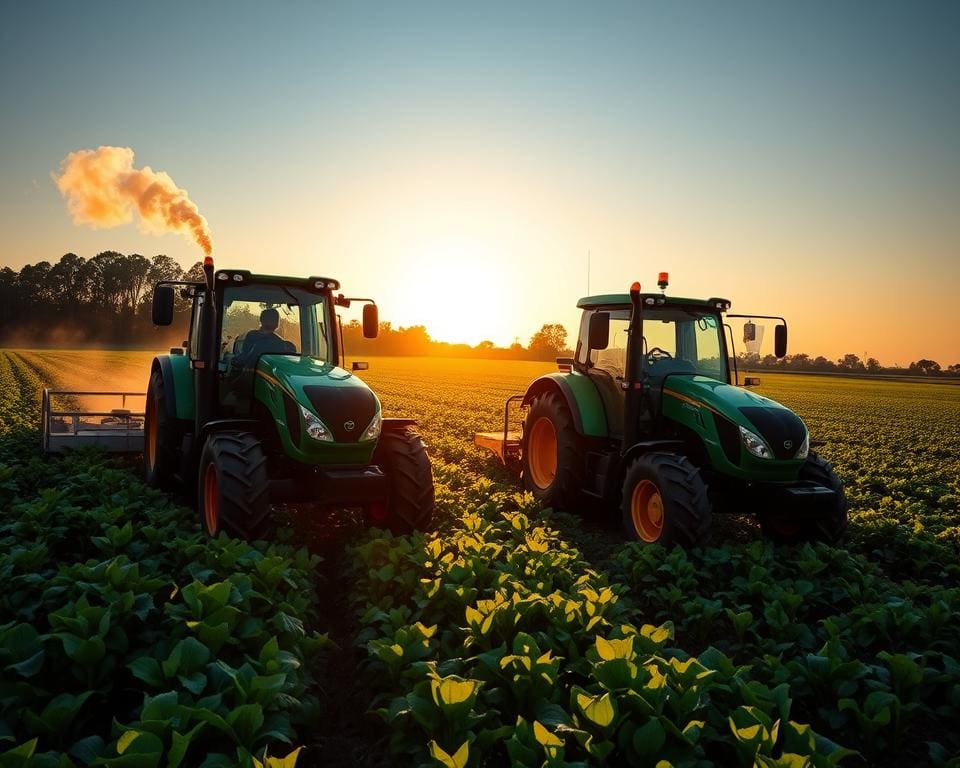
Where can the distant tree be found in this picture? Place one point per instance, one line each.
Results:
(850, 362)
(548, 342)
(486, 345)
(925, 367)
(954, 369)
(799, 361)
(873, 365)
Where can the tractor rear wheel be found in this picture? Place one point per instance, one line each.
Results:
(553, 455)
(403, 457)
(665, 501)
(161, 437)
(830, 528)
(233, 487)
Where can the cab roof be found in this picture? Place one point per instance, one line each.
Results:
(623, 300)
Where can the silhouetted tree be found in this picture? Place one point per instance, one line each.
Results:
(549, 342)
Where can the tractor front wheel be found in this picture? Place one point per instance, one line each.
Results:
(160, 437)
(552, 454)
(828, 528)
(402, 456)
(665, 501)
(233, 487)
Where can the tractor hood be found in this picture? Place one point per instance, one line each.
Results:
(780, 428)
(344, 403)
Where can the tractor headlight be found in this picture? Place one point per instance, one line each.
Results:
(754, 443)
(372, 432)
(315, 428)
(804, 449)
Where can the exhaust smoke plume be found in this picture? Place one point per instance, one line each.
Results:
(103, 190)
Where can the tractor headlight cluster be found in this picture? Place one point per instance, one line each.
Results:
(804, 449)
(372, 432)
(754, 443)
(315, 428)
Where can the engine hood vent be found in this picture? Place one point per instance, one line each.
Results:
(781, 428)
(347, 411)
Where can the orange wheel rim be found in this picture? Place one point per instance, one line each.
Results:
(152, 432)
(646, 510)
(542, 450)
(211, 499)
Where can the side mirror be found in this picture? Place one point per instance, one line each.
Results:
(163, 305)
(780, 341)
(360, 366)
(599, 332)
(751, 381)
(371, 321)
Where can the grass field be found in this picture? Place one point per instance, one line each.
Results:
(510, 636)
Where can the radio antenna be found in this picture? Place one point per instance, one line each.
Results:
(588, 273)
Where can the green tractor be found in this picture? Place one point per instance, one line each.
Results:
(257, 408)
(648, 416)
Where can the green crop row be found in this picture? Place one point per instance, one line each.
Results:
(128, 639)
(500, 645)
(872, 662)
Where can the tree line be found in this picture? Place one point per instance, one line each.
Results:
(105, 301)
(848, 364)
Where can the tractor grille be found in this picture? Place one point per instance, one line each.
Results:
(347, 411)
(779, 427)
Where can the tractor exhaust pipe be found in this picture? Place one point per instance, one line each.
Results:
(205, 368)
(634, 395)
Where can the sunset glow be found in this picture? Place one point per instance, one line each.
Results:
(459, 165)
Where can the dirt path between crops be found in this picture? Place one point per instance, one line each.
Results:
(346, 734)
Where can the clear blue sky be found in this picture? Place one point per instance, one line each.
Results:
(801, 158)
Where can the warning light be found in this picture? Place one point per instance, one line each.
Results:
(635, 288)
(208, 261)
(663, 280)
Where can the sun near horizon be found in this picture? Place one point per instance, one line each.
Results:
(463, 165)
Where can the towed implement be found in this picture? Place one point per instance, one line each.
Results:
(257, 408)
(649, 418)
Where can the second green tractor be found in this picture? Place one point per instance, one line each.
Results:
(648, 417)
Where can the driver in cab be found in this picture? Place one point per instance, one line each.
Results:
(264, 340)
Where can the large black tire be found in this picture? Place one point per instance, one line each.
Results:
(553, 454)
(830, 528)
(161, 437)
(403, 457)
(233, 487)
(665, 501)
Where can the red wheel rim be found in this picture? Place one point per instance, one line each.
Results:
(211, 500)
(542, 450)
(646, 510)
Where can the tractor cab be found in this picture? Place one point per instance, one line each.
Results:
(649, 414)
(258, 406)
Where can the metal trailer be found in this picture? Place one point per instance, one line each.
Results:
(117, 430)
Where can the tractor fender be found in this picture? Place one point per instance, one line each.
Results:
(650, 446)
(581, 396)
(177, 385)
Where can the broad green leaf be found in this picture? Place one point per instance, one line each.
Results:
(649, 737)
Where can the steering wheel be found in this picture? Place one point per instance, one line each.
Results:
(656, 354)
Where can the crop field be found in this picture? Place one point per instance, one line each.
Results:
(511, 635)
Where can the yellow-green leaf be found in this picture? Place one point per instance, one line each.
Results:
(597, 709)
(544, 736)
(614, 649)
